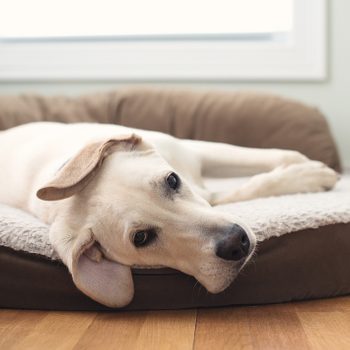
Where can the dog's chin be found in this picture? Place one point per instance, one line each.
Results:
(224, 276)
(218, 283)
(219, 288)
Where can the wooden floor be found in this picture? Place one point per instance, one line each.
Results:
(323, 324)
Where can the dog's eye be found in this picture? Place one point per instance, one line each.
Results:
(142, 238)
(173, 181)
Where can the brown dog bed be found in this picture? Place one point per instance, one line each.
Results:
(284, 270)
(309, 263)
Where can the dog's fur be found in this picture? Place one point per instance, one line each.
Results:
(99, 184)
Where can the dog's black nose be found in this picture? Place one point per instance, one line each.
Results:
(234, 246)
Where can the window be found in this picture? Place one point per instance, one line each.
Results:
(162, 40)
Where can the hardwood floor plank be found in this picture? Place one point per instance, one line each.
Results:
(57, 330)
(319, 324)
(169, 330)
(249, 328)
(225, 328)
(164, 330)
(327, 330)
(16, 324)
(275, 329)
(20, 318)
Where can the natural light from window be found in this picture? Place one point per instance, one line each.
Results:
(135, 18)
(163, 40)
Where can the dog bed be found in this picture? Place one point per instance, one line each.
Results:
(304, 240)
(277, 221)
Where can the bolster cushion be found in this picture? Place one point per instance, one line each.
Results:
(240, 118)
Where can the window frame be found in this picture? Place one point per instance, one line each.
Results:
(301, 57)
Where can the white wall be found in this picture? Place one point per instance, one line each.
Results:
(331, 96)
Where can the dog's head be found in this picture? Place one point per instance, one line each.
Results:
(120, 204)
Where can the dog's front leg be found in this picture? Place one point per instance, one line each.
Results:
(310, 176)
(223, 160)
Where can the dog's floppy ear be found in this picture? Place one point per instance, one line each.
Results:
(107, 282)
(81, 169)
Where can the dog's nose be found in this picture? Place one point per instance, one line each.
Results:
(234, 246)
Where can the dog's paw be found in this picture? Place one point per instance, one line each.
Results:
(310, 176)
(285, 158)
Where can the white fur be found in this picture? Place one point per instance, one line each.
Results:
(124, 197)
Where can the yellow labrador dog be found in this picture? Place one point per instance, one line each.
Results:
(117, 197)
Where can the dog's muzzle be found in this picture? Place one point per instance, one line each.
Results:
(234, 245)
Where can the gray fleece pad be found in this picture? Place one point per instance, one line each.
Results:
(268, 217)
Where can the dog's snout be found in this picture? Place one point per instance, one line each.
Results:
(235, 245)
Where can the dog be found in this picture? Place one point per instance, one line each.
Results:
(117, 198)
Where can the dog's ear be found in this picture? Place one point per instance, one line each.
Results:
(107, 282)
(82, 168)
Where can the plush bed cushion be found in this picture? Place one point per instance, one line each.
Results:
(242, 118)
(303, 253)
(307, 263)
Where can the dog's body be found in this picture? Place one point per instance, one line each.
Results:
(114, 200)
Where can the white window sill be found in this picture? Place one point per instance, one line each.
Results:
(301, 56)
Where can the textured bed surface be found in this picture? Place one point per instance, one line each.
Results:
(268, 217)
(309, 263)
